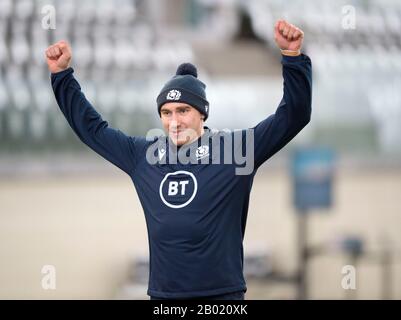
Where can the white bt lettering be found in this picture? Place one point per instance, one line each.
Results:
(172, 188)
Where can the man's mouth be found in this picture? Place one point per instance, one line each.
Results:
(177, 132)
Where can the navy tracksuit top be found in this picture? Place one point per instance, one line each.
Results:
(195, 212)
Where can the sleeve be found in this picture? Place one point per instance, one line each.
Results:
(111, 144)
(293, 112)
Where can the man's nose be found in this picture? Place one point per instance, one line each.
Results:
(173, 122)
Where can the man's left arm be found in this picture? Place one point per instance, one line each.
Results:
(294, 110)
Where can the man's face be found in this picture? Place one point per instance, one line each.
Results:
(181, 122)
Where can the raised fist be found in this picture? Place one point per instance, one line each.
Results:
(58, 56)
(288, 36)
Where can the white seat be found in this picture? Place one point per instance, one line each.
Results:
(19, 49)
(106, 97)
(39, 43)
(163, 57)
(19, 91)
(23, 9)
(4, 56)
(6, 7)
(105, 11)
(68, 9)
(183, 52)
(126, 12)
(127, 97)
(123, 54)
(4, 96)
(42, 92)
(83, 52)
(103, 53)
(392, 20)
(86, 11)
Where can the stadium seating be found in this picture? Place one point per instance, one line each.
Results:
(116, 42)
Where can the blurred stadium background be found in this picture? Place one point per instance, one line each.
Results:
(62, 205)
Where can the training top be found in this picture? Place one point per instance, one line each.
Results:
(194, 197)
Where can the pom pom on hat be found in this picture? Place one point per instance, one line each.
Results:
(187, 68)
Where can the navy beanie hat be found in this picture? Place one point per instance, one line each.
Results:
(185, 87)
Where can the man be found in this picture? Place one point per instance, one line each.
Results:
(195, 206)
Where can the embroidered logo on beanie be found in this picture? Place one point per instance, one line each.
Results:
(173, 95)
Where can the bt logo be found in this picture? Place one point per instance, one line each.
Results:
(173, 187)
(178, 189)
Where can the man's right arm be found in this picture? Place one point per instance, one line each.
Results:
(86, 122)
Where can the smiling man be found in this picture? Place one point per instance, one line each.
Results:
(182, 122)
(182, 105)
(195, 211)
